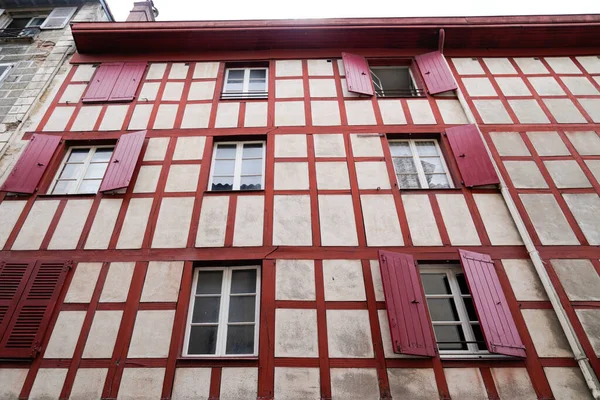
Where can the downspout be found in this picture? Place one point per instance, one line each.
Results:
(567, 327)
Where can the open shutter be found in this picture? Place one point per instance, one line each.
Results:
(58, 18)
(29, 322)
(471, 156)
(30, 167)
(495, 319)
(128, 82)
(410, 326)
(103, 82)
(121, 166)
(436, 74)
(13, 278)
(358, 74)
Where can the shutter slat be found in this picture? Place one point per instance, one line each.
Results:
(30, 167)
(123, 161)
(471, 156)
(496, 321)
(13, 279)
(128, 82)
(58, 18)
(358, 74)
(435, 72)
(103, 82)
(410, 326)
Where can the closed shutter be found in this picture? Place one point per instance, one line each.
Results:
(128, 82)
(25, 331)
(410, 326)
(436, 74)
(495, 318)
(58, 18)
(471, 156)
(358, 74)
(103, 82)
(30, 167)
(121, 166)
(13, 278)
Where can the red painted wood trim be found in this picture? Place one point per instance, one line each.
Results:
(324, 360)
(266, 337)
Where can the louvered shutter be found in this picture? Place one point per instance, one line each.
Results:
(128, 82)
(13, 278)
(410, 325)
(495, 318)
(58, 18)
(30, 167)
(123, 161)
(358, 74)
(103, 82)
(25, 331)
(436, 74)
(472, 158)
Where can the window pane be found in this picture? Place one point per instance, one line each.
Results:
(426, 148)
(462, 284)
(78, 155)
(240, 339)
(400, 149)
(409, 181)
(203, 340)
(226, 151)
(452, 335)
(257, 86)
(71, 171)
(404, 165)
(90, 186)
(95, 171)
(222, 183)
(236, 74)
(253, 150)
(243, 281)
(206, 309)
(479, 337)
(252, 167)
(258, 74)
(234, 86)
(470, 308)
(251, 183)
(435, 283)
(62, 187)
(442, 310)
(224, 167)
(437, 181)
(432, 164)
(209, 282)
(102, 155)
(241, 308)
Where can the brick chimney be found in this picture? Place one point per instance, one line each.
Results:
(142, 11)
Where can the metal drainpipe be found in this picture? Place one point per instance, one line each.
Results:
(579, 354)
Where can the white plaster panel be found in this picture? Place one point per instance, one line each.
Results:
(509, 144)
(149, 91)
(421, 222)
(189, 148)
(392, 112)
(151, 335)
(341, 68)
(360, 112)
(34, 229)
(239, 383)
(288, 68)
(290, 146)
(213, 221)
(546, 86)
(372, 175)
(249, 221)
(562, 65)
(11, 382)
(579, 279)
(191, 383)
(206, 70)
(343, 280)
(531, 65)
(386, 338)
(346, 92)
(586, 143)
(412, 383)
(332, 176)
(256, 114)
(196, 116)
(586, 210)
(292, 220)
(48, 383)
(165, 117)
(592, 107)
(84, 73)
(452, 112)
(72, 93)
(420, 111)
(465, 383)
(10, 211)
(525, 174)
(590, 63)
(524, 280)
(499, 66)
(497, 220)
(65, 334)
(329, 145)
(590, 320)
(140, 117)
(337, 220)
(528, 111)
(59, 119)
(295, 280)
(377, 283)
(548, 220)
(101, 340)
(116, 285)
(178, 71)
(579, 85)
(289, 88)
(291, 176)
(202, 90)
(320, 68)
(548, 144)
(325, 113)
(70, 225)
(183, 178)
(322, 88)
(567, 383)
(492, 112)
(289, 113)
(134, 225)
(513, 86)
(162, 281)
(513, 383)
(104, 222)
(227, 115)
(354, 384)
(83, 283)
(296, 333)
(156, 71)
(157, 148)
(567, 174)
(458, 220)
(173, 91)
(297, 383)
(141, 384)
(477, 87)
(546, 333)
(366, 145)
(88, 384)
(147, 179)
(467, 66)
(349, 334)
(594, 167)
(114, 117)
(564, 111)
(381, 220)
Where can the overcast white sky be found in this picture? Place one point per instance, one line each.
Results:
(173, 10)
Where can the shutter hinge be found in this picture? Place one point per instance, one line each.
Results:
(35, 349)
(68, 265)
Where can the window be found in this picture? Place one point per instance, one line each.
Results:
(223, 313)
(245, 83)
(452, 311)
(419, 164)
(394, 81)
(82, 170)
(238, 166)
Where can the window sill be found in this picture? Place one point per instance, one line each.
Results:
(403, 96)
(78, 195)
(474, 356)
(245, 98)
(216, 192)
(218, 358)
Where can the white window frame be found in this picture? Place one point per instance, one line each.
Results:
(86, 165)
(223, 323)
(67, 18)
(4, 74)
(414, 90)
(246, 92)
(29, 24)
(237, 169)
(417, 162)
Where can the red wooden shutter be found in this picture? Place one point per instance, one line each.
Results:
(123, 161)
(103, 82)
(29, 322)
(471, 156)
(30, 167)
(497, 323)
(128, 82)
(358, 74)
(410, 326)
(13, 278)
(436, 74)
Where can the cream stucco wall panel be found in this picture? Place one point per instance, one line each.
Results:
(548, 220)
(421, 221)
(525, 283)
(141, 384)
(196, 116)
(467, 66)
(292, 221)
(590, 320)
(256, 114)
(579, 279)
(295, 280)
(492, 112)
(149, 91)
(189, 148)
(360, 112)
(567, 174)
(420, 111)
(178, 71)
(377, 283)
(48, 383)
(290, 146)
(392, 112)
(83, 283)
(332, 176)
(289, 89)
(239, 383)
(337, 220)
(11, 382)
(592, 107)
(104, 222)
(289, 113)
(546, 86)
(325, 113)
(213, 221)
(227, 115)
(165, 117)
(84, 73)
(525, 174)
(513, 383)
(296, 333)
(366, 145)
(162, 281)
(249, 221)
(140, 117)
(341, 69)
(34, 229)
(329, 145)
(452, 112)
(548, 144)
(497, 220)
(477, 87)
(147, 179)
(288, 68)
(116, 285)
(590, 63)
(191, 383)
(183, 178)
(101, 340)
(579, 85)
(531, 65)
(65, 334)
(291, 176)
(412, 383)
(586, 143)
(567, 383)
(201, 91)
(156, 71)
(151, 335)
(586, 210)
(564, 111)
(205, 70)
(594, 166)
(10, 211)
(70, 225)
(528, 112)
(72, 93)
(546, 333)
(380, 216)
(297, 383)
(343, 280)
(88, 384)
(349, 334)
(322, 88)
(134, 225)
(173, 91)
(320, 67)
(59, 119)
(114, 117)
(458, 220)
(513, 87)
(499, 66)
(372, 175)
(562, 65)
(157, 149)
(465, 383)
(354, 384)
(509, 144)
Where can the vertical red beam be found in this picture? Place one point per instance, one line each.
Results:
(266, 347)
